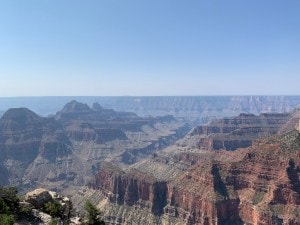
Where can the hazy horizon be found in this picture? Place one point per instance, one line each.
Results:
(149, 48)
(145, 105)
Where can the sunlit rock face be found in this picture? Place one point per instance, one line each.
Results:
(255, 185)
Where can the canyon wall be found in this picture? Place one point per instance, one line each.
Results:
(62, 152)
(255, 185)
(238, 132)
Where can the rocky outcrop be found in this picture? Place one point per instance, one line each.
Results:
(38, 198)
(73, 109)
(132, 188)
(42, 206)
(97, 107)
(238, 132)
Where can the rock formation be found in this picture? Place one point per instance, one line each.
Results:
(65, 150)
(25, 136)
(237, 132)
(129, 188)
(35, 209)
(38, 197)
(254, 185)
(186, 183)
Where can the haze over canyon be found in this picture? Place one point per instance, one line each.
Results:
(160, 160)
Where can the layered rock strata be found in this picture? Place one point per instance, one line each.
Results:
(237, 132)
(64, 151)
(256, 185)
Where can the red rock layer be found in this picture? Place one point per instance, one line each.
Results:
(258, 185)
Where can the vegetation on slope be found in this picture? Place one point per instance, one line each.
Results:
(8, 205)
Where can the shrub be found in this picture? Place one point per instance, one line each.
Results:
(9, 196)
(6, 219)
(53, 222)
(8, 204)
(93, 214)
(26, 211)
(4, 209)
(53, 208)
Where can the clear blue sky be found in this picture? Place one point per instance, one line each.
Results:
(149, 47)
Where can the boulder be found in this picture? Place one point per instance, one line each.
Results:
(38, 198)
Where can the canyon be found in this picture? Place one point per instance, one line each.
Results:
(182, 184)
(240, 169)
(63, 151)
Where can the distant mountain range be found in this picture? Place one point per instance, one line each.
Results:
(201, 108)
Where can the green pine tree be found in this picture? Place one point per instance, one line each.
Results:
(93, 214)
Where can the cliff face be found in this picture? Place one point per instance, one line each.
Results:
(24, 135)
(238, 132)
(132, 188)
(256, 185)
